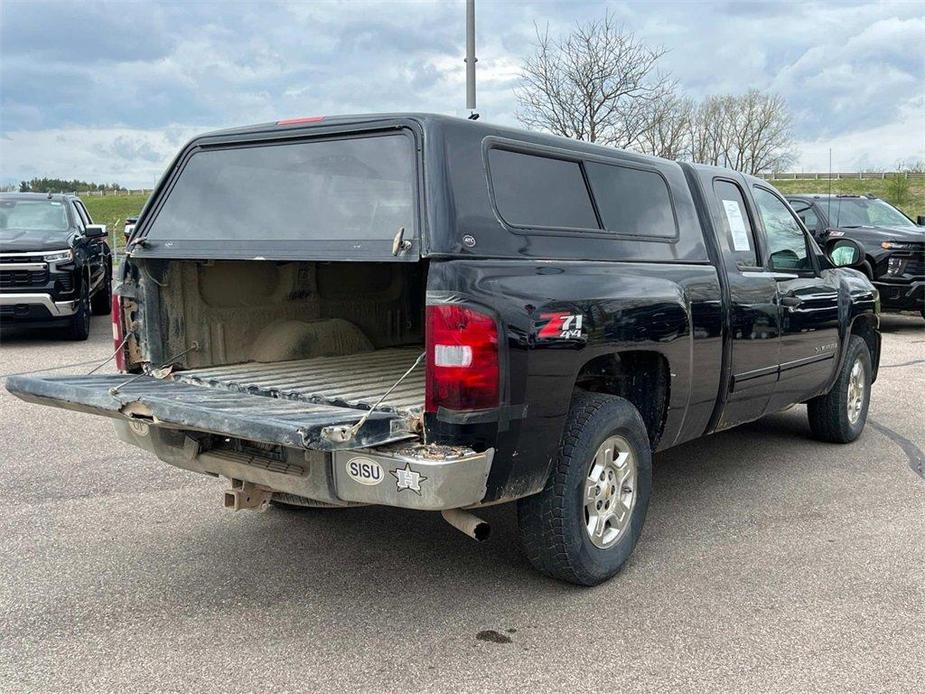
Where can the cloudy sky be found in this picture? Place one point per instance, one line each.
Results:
(110, 91)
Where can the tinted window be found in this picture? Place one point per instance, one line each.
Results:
(359, 188)
(83, 212)
(78, 215)
(738, 236)
(786, 240)
(807, 214)
(535, 191)
(33, 215)
(860, 212)
(632, 201)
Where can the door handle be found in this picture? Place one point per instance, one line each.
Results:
(790, 301)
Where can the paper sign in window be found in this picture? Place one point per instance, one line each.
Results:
(737, 226)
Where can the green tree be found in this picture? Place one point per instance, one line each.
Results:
(58, 185)
(897, 188)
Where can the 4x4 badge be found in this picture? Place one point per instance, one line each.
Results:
(406, 478)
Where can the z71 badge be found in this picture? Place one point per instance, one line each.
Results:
(561, 326)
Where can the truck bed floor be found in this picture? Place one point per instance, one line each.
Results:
(355, 380)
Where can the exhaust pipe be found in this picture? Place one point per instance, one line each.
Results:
(468, 523)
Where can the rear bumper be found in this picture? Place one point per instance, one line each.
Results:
(34, 307)
(429, 478)
(424, 477)
(904, 296)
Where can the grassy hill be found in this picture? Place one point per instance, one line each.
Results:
(913, 206)
(112, 210)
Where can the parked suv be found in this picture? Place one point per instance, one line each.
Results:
(55, 264)
(894, 245)
(441, 314)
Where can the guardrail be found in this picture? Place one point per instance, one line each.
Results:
(107, 193)
(838, 175)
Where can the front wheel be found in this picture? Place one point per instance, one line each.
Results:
(101, 303)
(79, 325)
(839, 416)
(585, 523)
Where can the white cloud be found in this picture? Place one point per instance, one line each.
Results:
(882, 147)
(134, 158)
(117, 104)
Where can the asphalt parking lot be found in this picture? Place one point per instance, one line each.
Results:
(768, 562)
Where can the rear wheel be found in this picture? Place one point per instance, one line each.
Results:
(840, 415)
(585, 523)
(79, 326)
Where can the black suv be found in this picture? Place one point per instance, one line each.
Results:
(894, 245)
(55, 264)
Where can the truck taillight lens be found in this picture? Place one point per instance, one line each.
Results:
(118, 331)
(462, 359)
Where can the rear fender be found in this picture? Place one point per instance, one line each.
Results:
(555, 317)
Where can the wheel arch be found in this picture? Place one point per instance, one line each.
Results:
(865, 326)
(642, 377)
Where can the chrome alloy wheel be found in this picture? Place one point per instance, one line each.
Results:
(856, 387)
(610, 492)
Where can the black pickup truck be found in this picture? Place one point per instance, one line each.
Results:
(55, 264)
(894, 245)
(439, 314)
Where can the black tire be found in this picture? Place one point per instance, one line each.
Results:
(78, 328)
(553, 523)
(829, 416)
(101, 302)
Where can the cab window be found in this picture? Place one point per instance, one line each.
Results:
(738, 236)
(807, 215)
(787, 247)
(84, 215)
(78, 215)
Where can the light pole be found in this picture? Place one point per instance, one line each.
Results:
(471, 60)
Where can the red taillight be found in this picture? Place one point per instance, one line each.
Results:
(462, 359)
(118, 332)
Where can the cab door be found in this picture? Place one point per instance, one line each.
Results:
(96, 248)
(754, 330)
(807, 302)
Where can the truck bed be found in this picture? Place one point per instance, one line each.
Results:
(355, 380)
(286, 403)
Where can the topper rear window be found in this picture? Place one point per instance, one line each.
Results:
(348, 189)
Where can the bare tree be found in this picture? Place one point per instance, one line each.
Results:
(750, 132)
(595, 84)
(599, 83)
(668, 134)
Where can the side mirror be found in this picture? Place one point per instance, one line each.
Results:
(95, 231)
(920, 220)
(845, 253)
(130, 223)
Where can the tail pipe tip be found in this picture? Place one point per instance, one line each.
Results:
(467, 523)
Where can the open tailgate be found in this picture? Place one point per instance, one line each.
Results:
(175, 404)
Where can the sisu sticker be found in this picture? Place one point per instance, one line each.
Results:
(364, 471)
(406, 478)
(561, 326)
